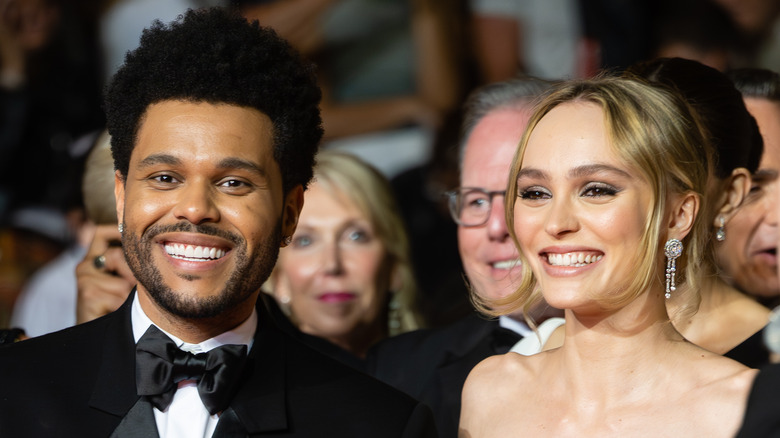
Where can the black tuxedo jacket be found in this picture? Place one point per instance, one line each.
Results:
(432, 365)
(80, 382)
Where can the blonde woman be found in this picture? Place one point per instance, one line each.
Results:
(346, 276)
(604, 200)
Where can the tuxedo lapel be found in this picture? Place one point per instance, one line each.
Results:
(138, 423)
(115, 391)
(444, 391)
(260, 404)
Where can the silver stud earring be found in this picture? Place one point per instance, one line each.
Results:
(287, 240)
(673, 249)
(720, 236)
(121, 228)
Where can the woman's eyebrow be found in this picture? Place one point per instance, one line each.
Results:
(590, 169)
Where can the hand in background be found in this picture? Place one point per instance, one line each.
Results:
(102, 290)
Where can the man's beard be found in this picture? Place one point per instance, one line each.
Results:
(250, 271)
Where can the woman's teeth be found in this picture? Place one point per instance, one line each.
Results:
(572, 259)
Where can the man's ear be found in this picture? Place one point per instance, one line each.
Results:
(685, 207)
(119, 195)
(293, 204)
(736, 189)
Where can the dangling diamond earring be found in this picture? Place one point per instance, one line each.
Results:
(720, 236)
(121, 228)
(673, 249)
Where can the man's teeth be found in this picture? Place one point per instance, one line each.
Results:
(572, 259)
(506, 264)
(190, 252)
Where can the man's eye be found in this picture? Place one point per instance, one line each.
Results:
(165, 179)
(233, 183)
(475, 202)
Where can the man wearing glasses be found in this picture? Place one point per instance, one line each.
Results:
(432, 365)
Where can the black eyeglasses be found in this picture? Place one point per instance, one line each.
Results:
(470, 206)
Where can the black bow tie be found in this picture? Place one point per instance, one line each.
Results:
(161, 365)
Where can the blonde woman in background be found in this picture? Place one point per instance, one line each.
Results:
(345, 275)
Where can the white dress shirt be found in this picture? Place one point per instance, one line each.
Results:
(187, 417)
(532, 341)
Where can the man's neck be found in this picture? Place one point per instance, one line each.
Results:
(190, 330)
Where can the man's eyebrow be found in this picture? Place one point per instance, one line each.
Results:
(152, 160)
(239, 163)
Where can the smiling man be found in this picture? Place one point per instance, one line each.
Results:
(214, 125)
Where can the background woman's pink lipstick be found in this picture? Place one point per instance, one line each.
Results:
(336, 297)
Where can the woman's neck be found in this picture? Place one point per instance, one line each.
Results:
(602, 354)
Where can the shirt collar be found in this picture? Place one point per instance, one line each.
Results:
(519, 327)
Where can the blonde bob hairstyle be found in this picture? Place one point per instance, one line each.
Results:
(346, 176)
(657, 134)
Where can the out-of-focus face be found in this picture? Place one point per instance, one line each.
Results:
(489, 255)
(32, 22)
(752, 16)
(748, 256)
(201, 208)
(580, 212)
(335, 272)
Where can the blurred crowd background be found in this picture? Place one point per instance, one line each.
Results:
(394, 75)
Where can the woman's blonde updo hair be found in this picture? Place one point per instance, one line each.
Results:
(656, 133)
(346, 176)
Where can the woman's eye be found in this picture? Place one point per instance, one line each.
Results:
(301, 241)
(597, 190)
(534, 193)
(358, 236)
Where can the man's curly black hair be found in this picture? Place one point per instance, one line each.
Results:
(216, 56)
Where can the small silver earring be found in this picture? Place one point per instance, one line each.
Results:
(287, 240)
(121, 228)
(720, 236)
(673, 249)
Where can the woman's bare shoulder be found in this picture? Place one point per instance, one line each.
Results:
(720, 397)
(492, 386)
(503, 367)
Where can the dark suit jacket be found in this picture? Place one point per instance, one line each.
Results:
(432, 365)
(80, 382)
(762, 416)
